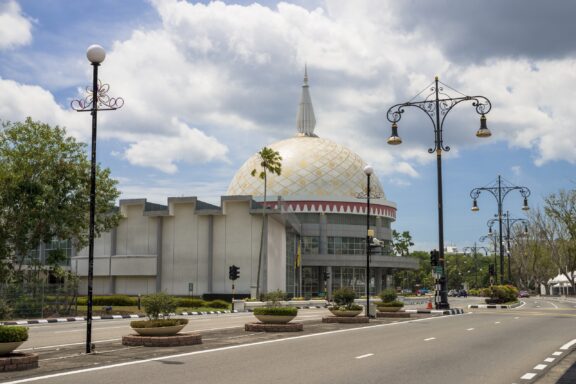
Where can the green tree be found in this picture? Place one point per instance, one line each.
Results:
(270, 162)
(401, 243)
(44, 192)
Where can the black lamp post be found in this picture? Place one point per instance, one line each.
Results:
(368, 171)
(474, 249)
(437, 105)
(509, 225)
(97, 99)
(500, 190)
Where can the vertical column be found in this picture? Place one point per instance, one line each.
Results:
(211, 271)
(159, 236)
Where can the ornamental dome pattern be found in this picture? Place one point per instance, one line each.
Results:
(313, 168)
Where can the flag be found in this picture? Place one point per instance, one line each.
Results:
(298, 255)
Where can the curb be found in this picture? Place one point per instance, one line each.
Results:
(453, 311)
(494, 306)
(105, 317)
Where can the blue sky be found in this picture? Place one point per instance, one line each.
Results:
(207, 84)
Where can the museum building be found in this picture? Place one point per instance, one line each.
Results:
(314, 230)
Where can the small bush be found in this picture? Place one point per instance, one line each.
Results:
(388, 295)
(217, 304)
(157, 323)
(5, 310)
(158, 304)
(118, 300)
(499, 294)
(13, 333)
(344, 296)
(277, 311)
(274, 298)
(349, 307)
(190, 302)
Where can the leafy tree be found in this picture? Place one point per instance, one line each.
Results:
(556, 227)
(44, 192)
(401, 243)
(270, 162)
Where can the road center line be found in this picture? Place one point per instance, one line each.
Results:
(430, 338)
(470, 329)
(366, 355)
(496, 322)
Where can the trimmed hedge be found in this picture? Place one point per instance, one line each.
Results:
(499, 294)
(120, 300)
(394, 303)
(348, 307)
(157, 323)
(278, 311)
(13, 333)
(217, 304)
(190, 302)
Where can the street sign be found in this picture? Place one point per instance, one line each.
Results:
(190, 287)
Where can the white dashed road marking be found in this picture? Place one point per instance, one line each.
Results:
(540, 367)
(528, 376)
(430, 338)
(568, 345)
(366, 355)
(470, 329)
(556, 353)
(550, 359)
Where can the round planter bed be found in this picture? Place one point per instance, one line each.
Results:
(273, 327)
(162, 341)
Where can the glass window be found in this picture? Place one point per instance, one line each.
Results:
(310, 245)
(346, 245)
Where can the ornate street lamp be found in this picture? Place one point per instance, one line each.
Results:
(437, 105)
(474, 249)
(500, 190)
(97, 99)
(368, 171)
(509, 226)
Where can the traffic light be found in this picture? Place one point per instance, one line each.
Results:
(233, 272)
(491, 270)
(326, 276)
(434, 258)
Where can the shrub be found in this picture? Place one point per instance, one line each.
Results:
(5, 310)
(119, 300)
(158, 304)
(273, 298)
(349, 307)
(217, 304)
(13, 333)
(344, 296)
(388, 295)
(157, 323)
(190, 302)
(499, 294)
(277, 311)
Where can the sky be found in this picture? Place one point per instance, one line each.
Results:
(207, 84)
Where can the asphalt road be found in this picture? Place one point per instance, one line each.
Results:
(482, 346)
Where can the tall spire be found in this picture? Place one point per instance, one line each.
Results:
(305, 121)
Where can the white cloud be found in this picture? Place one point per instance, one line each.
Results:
(189, 146)
(15, 29)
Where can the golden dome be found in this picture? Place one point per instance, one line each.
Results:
(313, 168)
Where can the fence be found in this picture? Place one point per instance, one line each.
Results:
(26, 301)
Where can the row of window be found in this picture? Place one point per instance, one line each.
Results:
(336, 245)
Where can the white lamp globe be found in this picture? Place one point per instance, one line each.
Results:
(95, 54)
(368, 170)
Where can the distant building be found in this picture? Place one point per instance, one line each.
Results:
(314, 235)
(451, 249)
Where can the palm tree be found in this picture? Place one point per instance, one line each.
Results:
(270, 161)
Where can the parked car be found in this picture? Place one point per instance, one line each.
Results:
(523, 294)
(453, 293)
(462, 293)
(422, 291)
